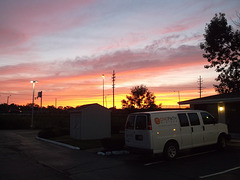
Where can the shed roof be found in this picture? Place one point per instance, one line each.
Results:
(220, 98)
(87, 106)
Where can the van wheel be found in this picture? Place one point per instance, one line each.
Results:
(171, 150)
(222, 143)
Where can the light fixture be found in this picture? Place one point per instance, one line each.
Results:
(221, 108)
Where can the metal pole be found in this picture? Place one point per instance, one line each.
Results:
(56, 103)
(41, 102)
(7, 99)
(32, 123)
(103, 89)
(179, 98)
(113, 86)
(32, 126)
(106, 101)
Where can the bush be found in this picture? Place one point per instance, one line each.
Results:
(53, 132)
(114, 143)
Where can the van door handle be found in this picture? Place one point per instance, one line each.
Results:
(203, 128)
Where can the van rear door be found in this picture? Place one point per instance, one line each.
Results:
(138, 131)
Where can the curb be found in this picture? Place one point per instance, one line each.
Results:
(235, 140)
(58, 143)
(108, 153)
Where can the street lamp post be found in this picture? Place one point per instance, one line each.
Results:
(33, 82)
(8, 99)
(103, 88)
(178, 98)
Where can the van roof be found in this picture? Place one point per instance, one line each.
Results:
(168, 111)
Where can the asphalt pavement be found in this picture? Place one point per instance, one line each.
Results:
(22, 156)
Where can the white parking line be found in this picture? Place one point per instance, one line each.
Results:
(152, 163)
(218, 173)
(187, 156)
(197, 154)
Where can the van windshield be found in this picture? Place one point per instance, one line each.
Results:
(130, 122)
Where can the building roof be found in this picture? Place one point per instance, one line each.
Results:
(87, 106)
(220, 98)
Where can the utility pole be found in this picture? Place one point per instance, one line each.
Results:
(106, 101)
(200, 81)
(103, 88)
(113, 86)
(178, 98)
(56, 103)
(8, 99)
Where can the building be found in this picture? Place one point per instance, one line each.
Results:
(225, 107)
(91, 121)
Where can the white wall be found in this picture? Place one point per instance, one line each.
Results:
(96, 123)
(221, 114)
(92, 122)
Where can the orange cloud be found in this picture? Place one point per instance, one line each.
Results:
(78, 81)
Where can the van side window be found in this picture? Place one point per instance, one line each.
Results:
(207, 118)
(183, 120)
(194, 119)
(141, 122)
(130, 122)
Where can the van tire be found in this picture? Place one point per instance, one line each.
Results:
(171, 150)
(222, 142)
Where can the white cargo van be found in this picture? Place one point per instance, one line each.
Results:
(170, 131)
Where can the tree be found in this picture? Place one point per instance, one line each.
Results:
(237, 22)
(222, 50)
(140, 98)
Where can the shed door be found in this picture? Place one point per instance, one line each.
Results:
(76, 118)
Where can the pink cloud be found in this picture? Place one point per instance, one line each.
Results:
(9, 38)
(29, 19)
(122, 61)
(129, 40)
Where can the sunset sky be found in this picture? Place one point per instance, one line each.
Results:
(66, 45)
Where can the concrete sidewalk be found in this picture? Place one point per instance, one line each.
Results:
(235, 136)
(235, 140)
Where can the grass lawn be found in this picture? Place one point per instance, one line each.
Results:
(116, 141)
(82, 144)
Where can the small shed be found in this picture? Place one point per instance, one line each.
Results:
(225, 107)
(91, 121)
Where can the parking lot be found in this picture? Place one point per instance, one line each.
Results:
(24, 157)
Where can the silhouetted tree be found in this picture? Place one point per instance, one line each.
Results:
(222, 50)
(237, 22)
(140, 98)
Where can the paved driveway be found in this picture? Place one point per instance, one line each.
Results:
(24, 157)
